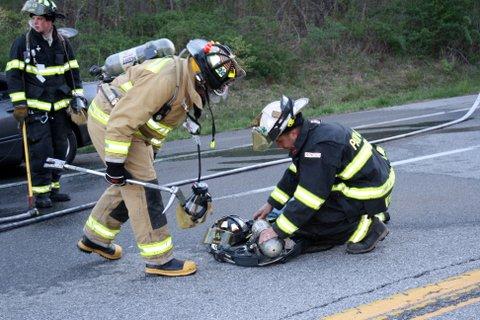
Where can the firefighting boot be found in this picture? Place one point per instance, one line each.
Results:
(110, 252)
(377, 231)
(56, 196)
(173, 268)
(42, 200)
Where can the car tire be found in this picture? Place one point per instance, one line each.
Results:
(72, 147)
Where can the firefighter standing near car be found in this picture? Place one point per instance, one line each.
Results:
(130, 117)
(43, 77)
(337, 188)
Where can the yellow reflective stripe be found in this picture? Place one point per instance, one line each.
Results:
(368, 192)
(17, 96)
(100, 229)
(279, 196)
(285, 225)
(41, 189)
(117, 147)
(156, 248)
(157, 143)
(307, 198)
(77, 92)
(157, 64)
(126, 86)
(55, 184)
(61, 104)
(97, 113)
(158, 127)
(72, 64)
(361, 230)
(292, 168)
(40, 105)
(14, 64)
(358, 162)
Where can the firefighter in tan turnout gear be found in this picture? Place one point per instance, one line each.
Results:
(126, 119)
(337, 188)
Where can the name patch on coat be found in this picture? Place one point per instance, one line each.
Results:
(313, 154)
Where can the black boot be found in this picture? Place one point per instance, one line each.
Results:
(42, 200)
(56, 196)
(173, 268)
(376, 233)
(111, 252)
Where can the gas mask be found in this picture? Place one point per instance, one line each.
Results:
(196, 208)
(218, 95)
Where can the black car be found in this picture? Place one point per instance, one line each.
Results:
(11, 148)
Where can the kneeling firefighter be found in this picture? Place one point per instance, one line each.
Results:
(130, 115)
(336, 190)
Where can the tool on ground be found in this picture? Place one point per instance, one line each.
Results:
(174, 191)
(32, 211)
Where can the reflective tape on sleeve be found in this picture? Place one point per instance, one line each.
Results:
(95, 112)
(61, 104)
(308, 198)
(17, 96)
(159, 128)
(156, 248)
(279, 196)
(367, 192)
(77, 92)
(358, 162)
(98, 228)
(117, 147)
(72, 64)
(285, 225)
(14, 64)
(126, 86)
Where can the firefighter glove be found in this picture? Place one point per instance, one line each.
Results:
(20, 112)
(116, 173)
(78, 103)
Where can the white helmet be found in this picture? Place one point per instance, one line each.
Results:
(275, 118)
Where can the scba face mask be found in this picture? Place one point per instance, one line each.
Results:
(219, 95)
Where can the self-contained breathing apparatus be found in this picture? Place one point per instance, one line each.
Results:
(233, 240)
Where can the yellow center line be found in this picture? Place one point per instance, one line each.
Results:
(439, 312)
(416, 298)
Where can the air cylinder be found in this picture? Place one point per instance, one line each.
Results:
(118, 63)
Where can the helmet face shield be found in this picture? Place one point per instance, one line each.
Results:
(260, 140)
(227, 231)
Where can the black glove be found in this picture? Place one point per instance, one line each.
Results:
(78, 103)
(20, 112)
(116, 173)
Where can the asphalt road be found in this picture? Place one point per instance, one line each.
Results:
(434, 234)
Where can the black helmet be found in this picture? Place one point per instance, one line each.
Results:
(229, 230)
(216, 63)
(46, 8)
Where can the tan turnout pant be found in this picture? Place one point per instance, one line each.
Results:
(141, 205)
